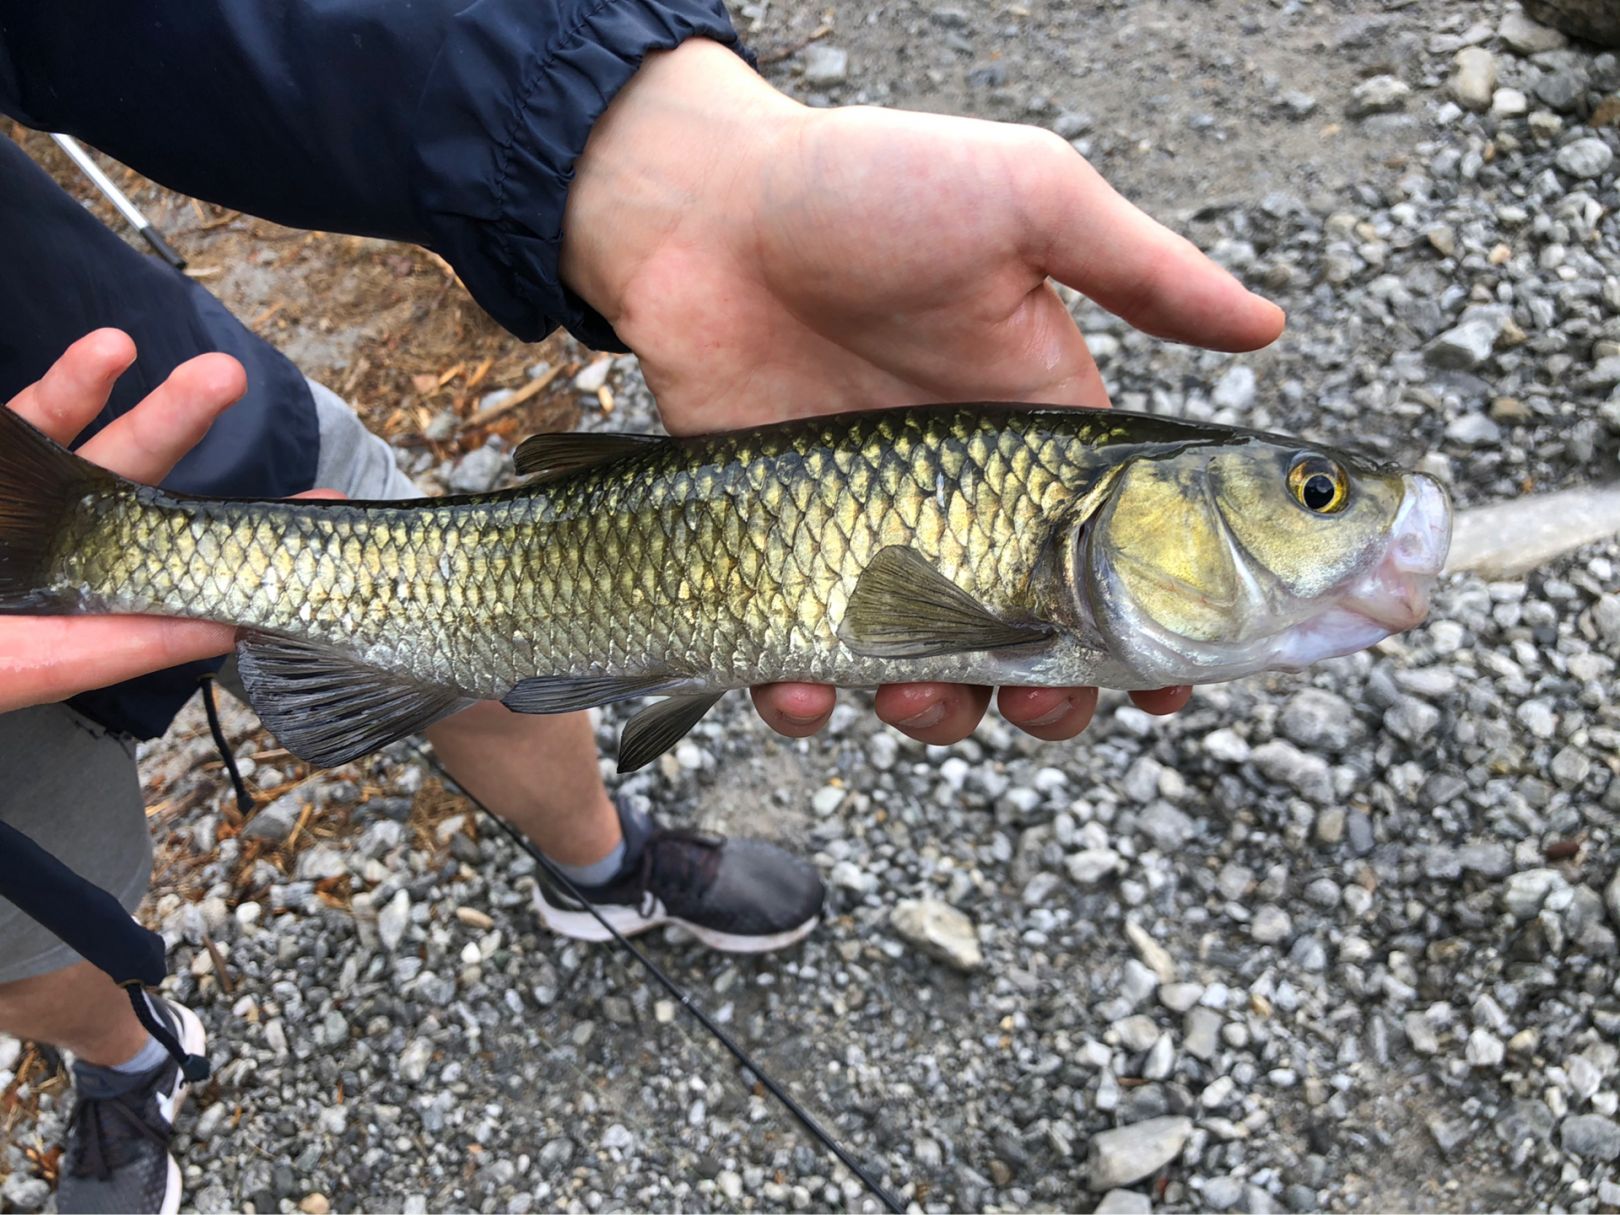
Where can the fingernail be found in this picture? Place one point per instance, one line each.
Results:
(1052, 716)
(931, 716)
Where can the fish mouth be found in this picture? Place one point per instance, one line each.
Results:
(1393, 595)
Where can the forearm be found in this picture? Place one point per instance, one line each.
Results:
(441, 122)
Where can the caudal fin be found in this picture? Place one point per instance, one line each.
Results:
(40, 485)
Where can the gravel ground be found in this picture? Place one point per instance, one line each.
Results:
(1338, 941)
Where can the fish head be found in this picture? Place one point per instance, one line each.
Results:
(1219, 560)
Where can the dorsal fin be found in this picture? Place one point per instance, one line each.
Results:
(549, 456)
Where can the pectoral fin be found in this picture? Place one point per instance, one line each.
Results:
(327, 708)
(659, 727)
(902, 607)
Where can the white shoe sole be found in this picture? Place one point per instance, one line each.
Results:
(194, 1041)
(629, 922)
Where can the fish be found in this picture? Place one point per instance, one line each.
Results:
(991, 544)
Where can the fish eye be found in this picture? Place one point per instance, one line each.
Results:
(1319, 484)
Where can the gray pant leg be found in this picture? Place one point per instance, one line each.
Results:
(353, 461)
(71, 787)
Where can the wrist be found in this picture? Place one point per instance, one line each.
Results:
(677, 153)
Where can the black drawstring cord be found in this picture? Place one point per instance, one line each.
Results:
(681, 995)
(194, 1067)
(244, 800)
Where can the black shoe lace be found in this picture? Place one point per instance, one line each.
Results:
(105, 1128)
(677, 860)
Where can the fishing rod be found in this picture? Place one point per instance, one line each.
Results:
(681, 995)
(137, 219)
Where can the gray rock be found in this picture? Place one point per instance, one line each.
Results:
(1592, 20)
(825, 65)
(1136, 1033)
(1420, 1033)
(1235, 390)
(1525, 36)
(1611, 897)
(1130, 1153)
(1570, 767)
(1474, 80)
(1222, 1193)
(1464, 347)
(1584, 158)
(1124, 1202)
(1411, 720)
(1270, 925)
(1315, 718)
(393, 920)
(1474, 430)
(1092, 865)
(24, 1193)
(1591, 1137)
(593, 377)
(1297, 104)
(1527, 890)
(276, 821)
(1288, 765)
(1484, 1049)
(1378, 95)
(1606, 618)
(477, 471)
(1561, 89)
(940, 931)
(1202, 1026)
(1509, 103)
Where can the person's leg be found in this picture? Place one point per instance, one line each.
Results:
(538, 773)
(76, 1008)
(70, 785)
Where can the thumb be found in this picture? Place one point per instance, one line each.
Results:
(1083, 233)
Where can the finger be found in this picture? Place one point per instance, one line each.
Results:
(93, 652)
(67, 397)
(148, 441)
(1161, 702)
(1085, 234)
(937, 713)
(794, 709)
(1053, 714)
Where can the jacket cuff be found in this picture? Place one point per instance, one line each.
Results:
(495, 164)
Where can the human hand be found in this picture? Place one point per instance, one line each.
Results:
(49, 658)
(768, 261)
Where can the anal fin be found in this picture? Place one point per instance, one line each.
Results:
(326, 707)
(659, 727)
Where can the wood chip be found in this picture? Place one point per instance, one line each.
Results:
(527, 393)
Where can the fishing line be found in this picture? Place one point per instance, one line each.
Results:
(681, 995)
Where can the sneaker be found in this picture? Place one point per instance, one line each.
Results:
(117, 1156)
(738, 896)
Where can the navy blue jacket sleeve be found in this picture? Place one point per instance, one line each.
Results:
(453, 124)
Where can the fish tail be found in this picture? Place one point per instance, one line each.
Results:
(41, 485)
